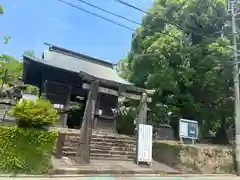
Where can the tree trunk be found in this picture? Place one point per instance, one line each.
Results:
(221, 135)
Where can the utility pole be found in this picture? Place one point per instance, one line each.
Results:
(234, 13)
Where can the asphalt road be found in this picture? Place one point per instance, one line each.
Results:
(123, 178)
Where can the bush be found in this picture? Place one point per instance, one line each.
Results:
(25, 150)
(36, 114)
(32, 90)
(125, 120)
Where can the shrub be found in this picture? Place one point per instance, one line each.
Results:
(31, 89)
(34, 114)
(125, 120)
(25, 150)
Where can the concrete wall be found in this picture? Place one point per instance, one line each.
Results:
(194, 158)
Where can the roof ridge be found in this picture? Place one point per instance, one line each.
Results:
(79, 55)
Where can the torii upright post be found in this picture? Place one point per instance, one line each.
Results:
(83, 151)
(143, 109)
(142, 116)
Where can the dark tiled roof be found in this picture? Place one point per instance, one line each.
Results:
(78, 55)
(80, 64)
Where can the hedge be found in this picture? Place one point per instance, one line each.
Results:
(25, 150)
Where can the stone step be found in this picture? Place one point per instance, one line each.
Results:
(104, 146)
(112, 136)
(107, 156)
(103, 136)
(117, 148)
(100, 151)
(120, 141)
(104, 143)
(112, 152)
(69, 153)
(112, 157)
(107, 148)
(97, 149)
(97, 139)
(115, 141)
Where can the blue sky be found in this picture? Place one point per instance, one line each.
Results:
(30, 23)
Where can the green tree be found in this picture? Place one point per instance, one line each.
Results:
(122, 68)
(30, 53)
(13, 68)
(190, 71)
(6, 38)
(1, 10)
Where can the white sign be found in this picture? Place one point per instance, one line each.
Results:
(188, 129)
(58, 106)
(29, 97)
(100, 112)
(144, 144)
(232, 3)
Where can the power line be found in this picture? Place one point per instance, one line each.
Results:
(96, 15)
(117, 15)
(152, 15)
(114, 22)
(120, 16)
(110, 12)
(167, 21)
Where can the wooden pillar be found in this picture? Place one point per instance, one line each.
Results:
(83, 151)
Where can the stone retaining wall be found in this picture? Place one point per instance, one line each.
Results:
(194, 158)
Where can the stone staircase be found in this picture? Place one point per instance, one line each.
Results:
(107, 146)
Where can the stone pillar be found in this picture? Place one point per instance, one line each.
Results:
(83, 151)
(142, 116)
(121, 90)
(60, 144)
(63, 119)
(143, 109)
(64, 116)
(115, 116)
(44, 90)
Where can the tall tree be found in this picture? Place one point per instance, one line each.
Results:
(122, 68)
(188, 64)
(6, 38)
(30, 53)
(1, 10)
(13, 67)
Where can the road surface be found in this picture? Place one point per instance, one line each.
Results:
(122, 178)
